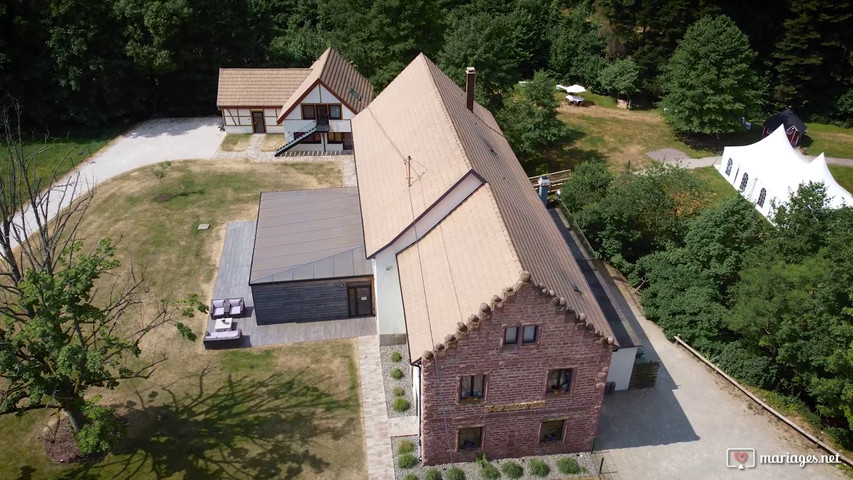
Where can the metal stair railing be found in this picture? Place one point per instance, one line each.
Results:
(292, 139)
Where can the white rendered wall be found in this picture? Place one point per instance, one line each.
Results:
(621, 367)
(389, 299)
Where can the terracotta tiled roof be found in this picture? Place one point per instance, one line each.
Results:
(258, 87)
(422, 115)
(337, 75)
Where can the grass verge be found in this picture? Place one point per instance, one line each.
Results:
(831, 140)
(235, 142)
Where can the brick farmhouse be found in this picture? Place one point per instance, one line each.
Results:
(510, 351)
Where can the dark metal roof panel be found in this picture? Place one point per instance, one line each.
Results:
(309, 234)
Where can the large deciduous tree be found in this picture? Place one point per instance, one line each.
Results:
(529, 121)
(64, 325)
(619, 77)
(709, 83)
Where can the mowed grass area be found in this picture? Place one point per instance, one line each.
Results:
(235, 142)
(843, 175)
(619, 137)
(831, 140)
(277, 412)
(271, 141)
(717, 189)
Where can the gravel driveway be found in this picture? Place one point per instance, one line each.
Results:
(148, 143)
(682, 427)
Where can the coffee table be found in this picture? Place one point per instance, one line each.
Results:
(223, 324)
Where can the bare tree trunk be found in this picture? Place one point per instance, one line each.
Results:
(75, 415)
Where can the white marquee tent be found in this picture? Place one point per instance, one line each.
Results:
(770, 170)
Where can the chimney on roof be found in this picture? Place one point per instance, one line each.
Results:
(470, 78)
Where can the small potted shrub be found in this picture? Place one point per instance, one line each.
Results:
(405, 446)
(398, 391)
(432, 474)
(569, 466)
(400, 404)
(454, 473)
(410, 476)
(396, 374)
(539, 468)
(512, 470)
(396, 357)
(407, 460)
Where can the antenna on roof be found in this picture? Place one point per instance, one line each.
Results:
(409, 169)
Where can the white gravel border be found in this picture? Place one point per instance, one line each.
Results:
(589, 461)
(405, 382)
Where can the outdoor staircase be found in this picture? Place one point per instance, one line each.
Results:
(292, 140)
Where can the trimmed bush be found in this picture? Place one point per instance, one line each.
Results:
(568, 466)
(539, 468)
(491, 472)
(405, 446)
(396, 374)
(407, 460)
(399, 392)
(512, 470)
(454, 473)
(396, 357)
(410, 476)
(432, 474)
(400, 404)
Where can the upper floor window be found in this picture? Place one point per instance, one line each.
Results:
(308, 112)
(762, 196)
(743, 181)
(559, 381)
(335, 112)
(729, 167)
(472, 388)
(530, 334)
(511, 336)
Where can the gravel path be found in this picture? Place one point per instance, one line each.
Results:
(405, 383)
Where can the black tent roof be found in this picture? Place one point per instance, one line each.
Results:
(788, 118)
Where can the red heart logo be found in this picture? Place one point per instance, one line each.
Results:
(740, 456)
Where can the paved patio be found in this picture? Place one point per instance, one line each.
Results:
(232, 281)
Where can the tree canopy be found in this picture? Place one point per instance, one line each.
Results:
(709, 83)
(73, 63)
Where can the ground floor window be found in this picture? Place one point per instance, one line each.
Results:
(560, 381)
(336, 137)
(551, 431)
(470, 438)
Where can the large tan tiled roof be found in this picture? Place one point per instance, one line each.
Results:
(258, 87)
(422, 115)
(466, 260)
(337, 75)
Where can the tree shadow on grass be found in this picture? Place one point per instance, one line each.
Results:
(243, 429)
(567, 155)
(717, 143)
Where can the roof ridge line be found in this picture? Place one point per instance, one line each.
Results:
(446, 111)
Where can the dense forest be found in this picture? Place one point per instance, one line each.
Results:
(770, 303)
(83, 63)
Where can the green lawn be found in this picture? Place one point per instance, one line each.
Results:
(63, 154)
(843, 175)
(829, 139)
(265, 413)
(717, 188)
(617, 136)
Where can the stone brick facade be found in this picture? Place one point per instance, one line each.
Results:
(516, 402)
